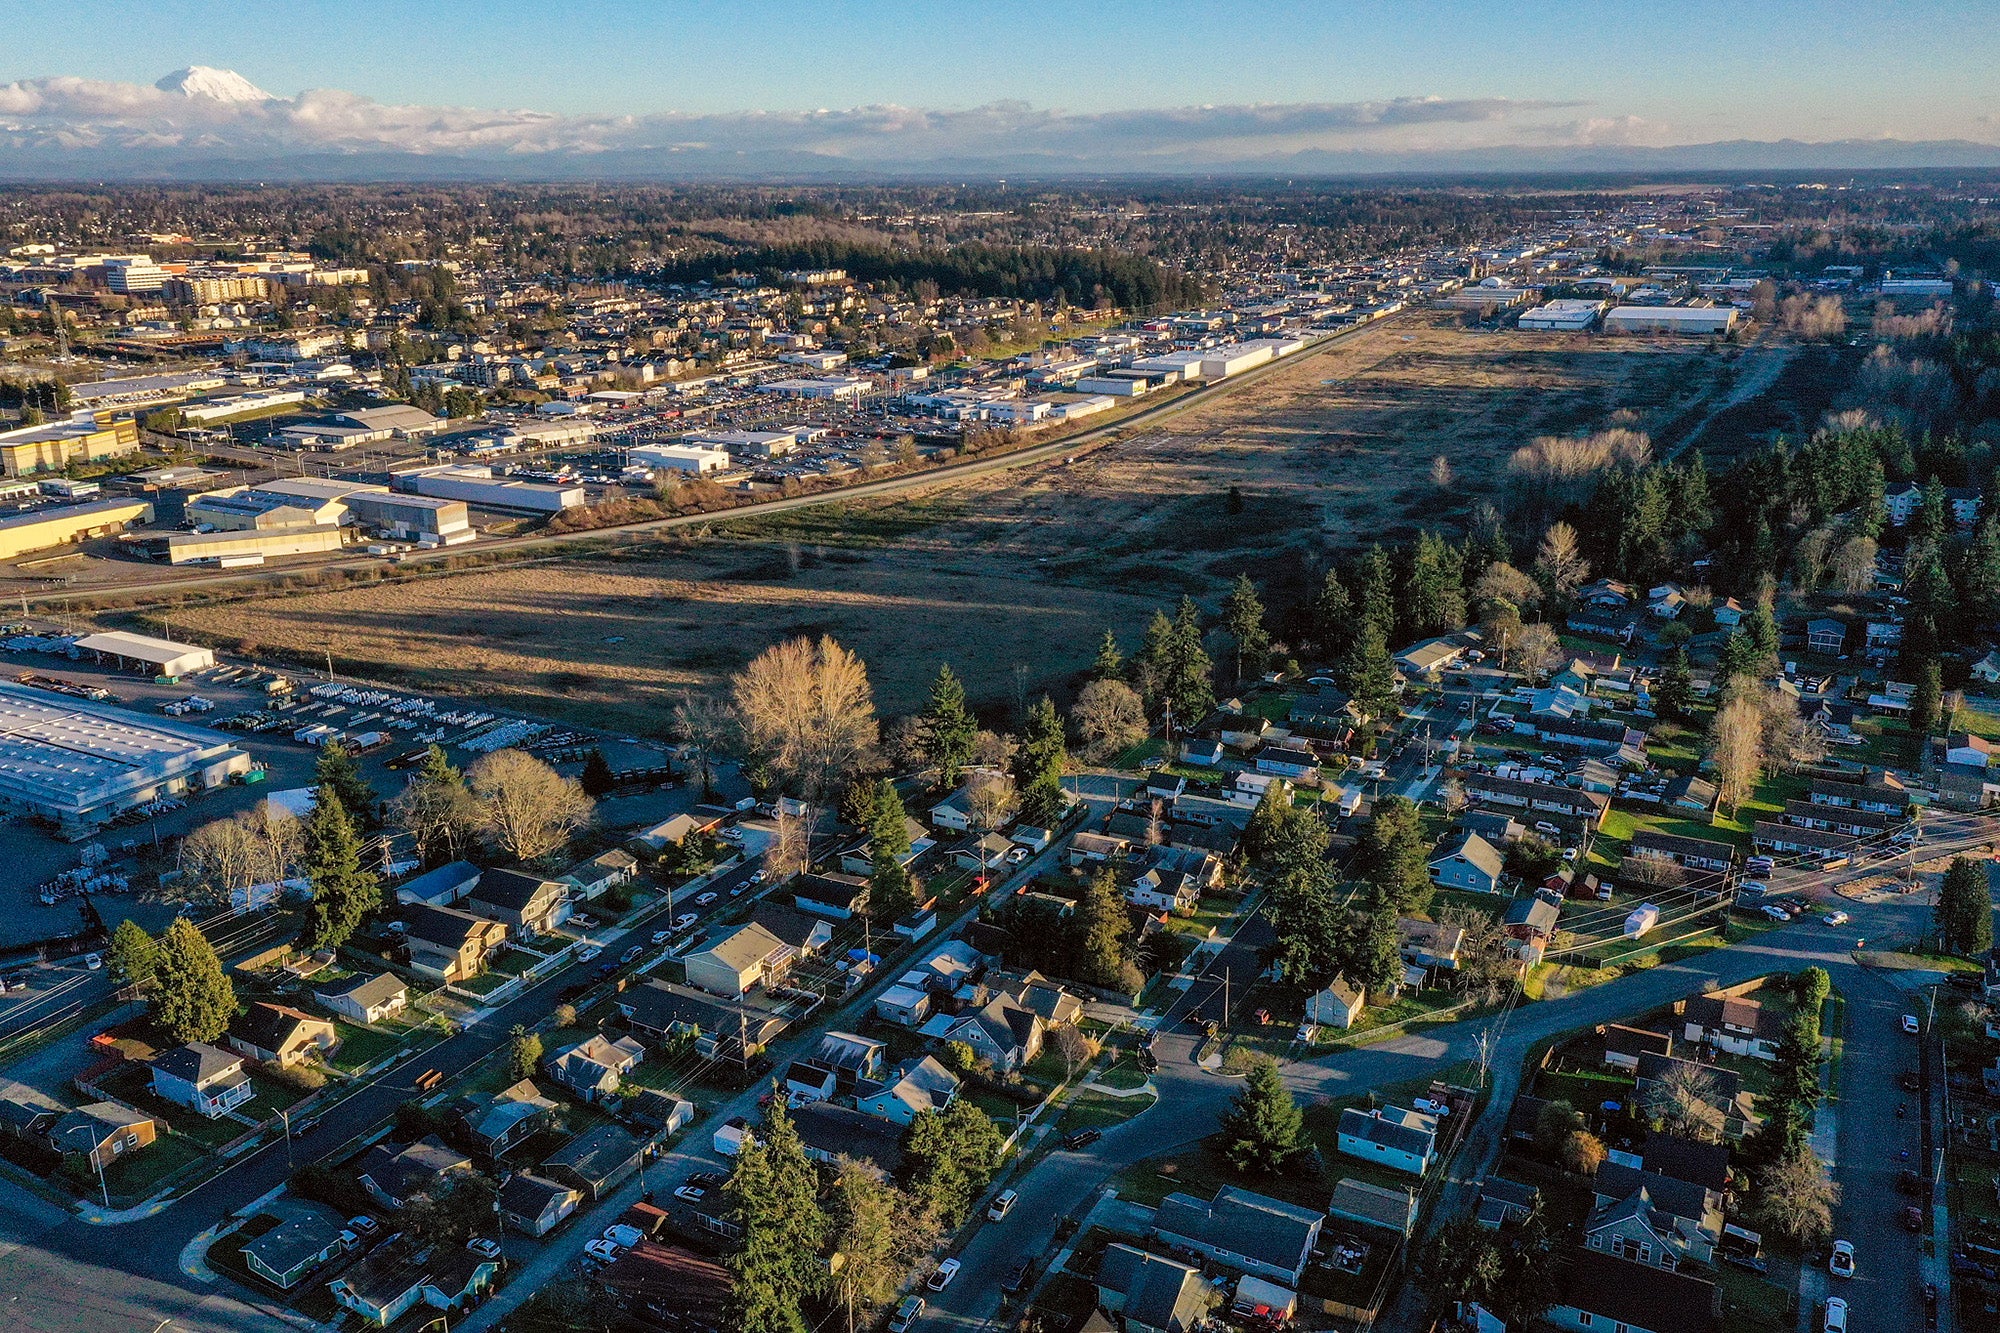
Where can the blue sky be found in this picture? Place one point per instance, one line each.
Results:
(1677, 73)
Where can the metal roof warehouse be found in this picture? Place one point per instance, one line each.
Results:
(80, 763)
(163, 656)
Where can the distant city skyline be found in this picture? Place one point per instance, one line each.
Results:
(874, 87)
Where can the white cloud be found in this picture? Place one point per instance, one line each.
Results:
(48, 113)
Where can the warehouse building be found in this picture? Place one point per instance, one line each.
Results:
(478, 487)
(287, 502)
(749, 443)
(78, 764)
(680, 458)
(141, 652)
(429, 519)
(1567, 315)
(1696, 319)
(829, 386)
(235, 550)
(84, 438)
(1219, 363)
(41, 529)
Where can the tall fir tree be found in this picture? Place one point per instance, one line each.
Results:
(1675, 698)
(1110, 662)
(1332, 618)
(343, 893)
(1368, 673)
(1243, 621)
(1964, 913)
(1927, 700)
(773, 1197)
(891, 889)
(134, 955)
(948, 730)
(1190, 673)
(1375, 598)
(1039, 765)
(336, 770)
(192, 997)
(1263, 1129)
(1101, 926)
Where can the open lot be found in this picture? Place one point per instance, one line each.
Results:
(1024, 566)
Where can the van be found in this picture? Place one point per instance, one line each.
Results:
(1003, 1204)
(907, 1314)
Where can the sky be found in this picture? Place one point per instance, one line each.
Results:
(1107, 83)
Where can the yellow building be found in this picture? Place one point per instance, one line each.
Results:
(41, 529)
(86, 437)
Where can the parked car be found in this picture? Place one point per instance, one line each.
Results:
(1016, 855)
(1907, 1081)
(1003, 1204)
(349, 1241)
(662, 936)
(704, 899)
(633, 954)
(1749, 1263)
(1837, 918)
(685, 920)
(484, 1247)
(93, 961)
(623, 1236)
(1775, 912)
(363, 1225)
(1911, 1025)
(1836, 1316)
(1083, 1138)
(601, 1250)
(907, 1314)
(583, 921)
(1017, 1275)
(304, 1125)
(1841, 1262)
(1913, 1219)
(941, 1279)
(587, 952)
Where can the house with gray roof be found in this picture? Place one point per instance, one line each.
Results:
(206, 1079)
(1243, 1230)
(1374, 1205)
(1150, 1293)
(288, 1252)
(365, 999)
(1391, 1136)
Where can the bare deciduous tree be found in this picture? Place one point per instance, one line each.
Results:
(1441, 472)
(1076, 1047)
(990, 800)
(992, 749)
(1796, 1198)
(704, 725)
(1109, 717)
(527, 810)
(1655, 872)
(252, 847)
(1505, 585)
(1536, 651)
(1853, 567)
(1560, 560)
(1685, 1101)
(1813, 316)
(442, 816)
(790, 853)
(808, 709)
(1736, 748)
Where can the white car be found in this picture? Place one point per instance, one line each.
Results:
(1910, 1023)
(588, 952)
(684, 920)
(1841, 1262)
(704, 900)
(93, 961)
(1836, 1315)
(941, 1279)
(484, 1247)
(1837, 918)
(1016, 855)
(601, 1250)
(662, 936)
(622, 1236)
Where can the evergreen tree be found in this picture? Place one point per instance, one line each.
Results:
(524, 1053)
(1737, 657)
(948, 730)
(1374, 957)
(1368, 673)
(337, 771)
(1262, 836)
(1433, 600)
(1931, 524)
(1190, 684)
(1392, 856)
(1039, 765)
(951, 1156)
(1152, 665)
(596, 779)
(1675, 698)
(1979, 574)
(1762, 626)
(773, 1196)
(1963, 916)
(1375, 598)
(1927, 701)
(343, 893)
(1243, 621)
(1110, 663)
(192, 998)
(1263, 1130)
(1331, 618)
(1101, 927)
(134, 955)
(892, 892)
(888, 822)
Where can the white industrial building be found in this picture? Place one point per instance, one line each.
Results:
(750, 443)
(1696, 319)
(158, 657)
(1219, 363)
(828, 386)
(1187, 365)
(1567, 315)
(429, 520)
(478, 487)
(77, 764)
(283, 502)
(689, 458)
(241, 549)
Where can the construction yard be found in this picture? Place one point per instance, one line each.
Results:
(1021, 567)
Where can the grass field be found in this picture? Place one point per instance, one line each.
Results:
(1020, 568)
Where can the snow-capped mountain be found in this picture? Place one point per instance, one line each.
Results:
(221, 85)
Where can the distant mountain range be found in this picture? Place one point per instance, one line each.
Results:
(214, 125)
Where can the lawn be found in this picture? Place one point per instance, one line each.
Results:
(130, 1083)
(361, 1047)
(1378, 1022)
(484, 984)
(273, 1095)
(1088, 1109)
(513, 961)
(138, 1175)
(1751, 1304)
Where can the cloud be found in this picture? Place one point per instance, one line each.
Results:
(214, 110)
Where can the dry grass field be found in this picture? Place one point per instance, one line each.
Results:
(1025, 566)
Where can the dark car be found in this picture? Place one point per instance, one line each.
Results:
(305, 1125)
(1749, 1263)
(1083, 1138)
(1909, 1182)
(1017, 1275)
(1907, 1080)
(1913, 1218)
(1967, 980)
(606, 970)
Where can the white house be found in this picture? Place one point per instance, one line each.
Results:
(1337, 1006)
(1401, 1139)
(206, 1079)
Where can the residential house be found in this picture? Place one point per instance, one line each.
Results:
(99, 1133)
(1987, 669)
(1688, 853)
(1374, 1206)
(26, 1120)
(1796, 840)
(596, 1161)
(1877, 790)
(1003, 1032)
(535, 1205)
(1531, 920)
(828, 1132)
(1732, 1023)
(206, 1079)
(1826, 636)
(838, 897)
(660, 1011)
(286, 1254)
(852, 1059)
(1605, 594)
(1096, 847)
(1289, 762)
(1728, 613)
(1148, 1293)
(738, 961)
(1602, 1294)
(1851, 820)
(525, 903)
(954, 812)
(1421, 660)
(806, 935)
(1963, 747)
(1203, 753)
(1242, 1230)
(1031, 990)
(1691, 795)
(1499, 829)
(1162, 890)
(670, 1288)
(1546, 802)
(917, 1085)
(1392, 1136)
(1469, 862)
(1502, 1201)
(595, 1066)
(1880, 637)
(279, 1035)
(987, 851)
(1243, 731)
(365, 999)
(903, 1004)
(655, 1113)
(1337, 1005)
(1624, 1045)
(601, 873)
(1665, 602)
(1703, 1164)
(490, 1124)
(394, 1176)
(1657, 1218)
(440, 887)
(397, 1277)
(860, 858)
(1427, 944)
(448, 945)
